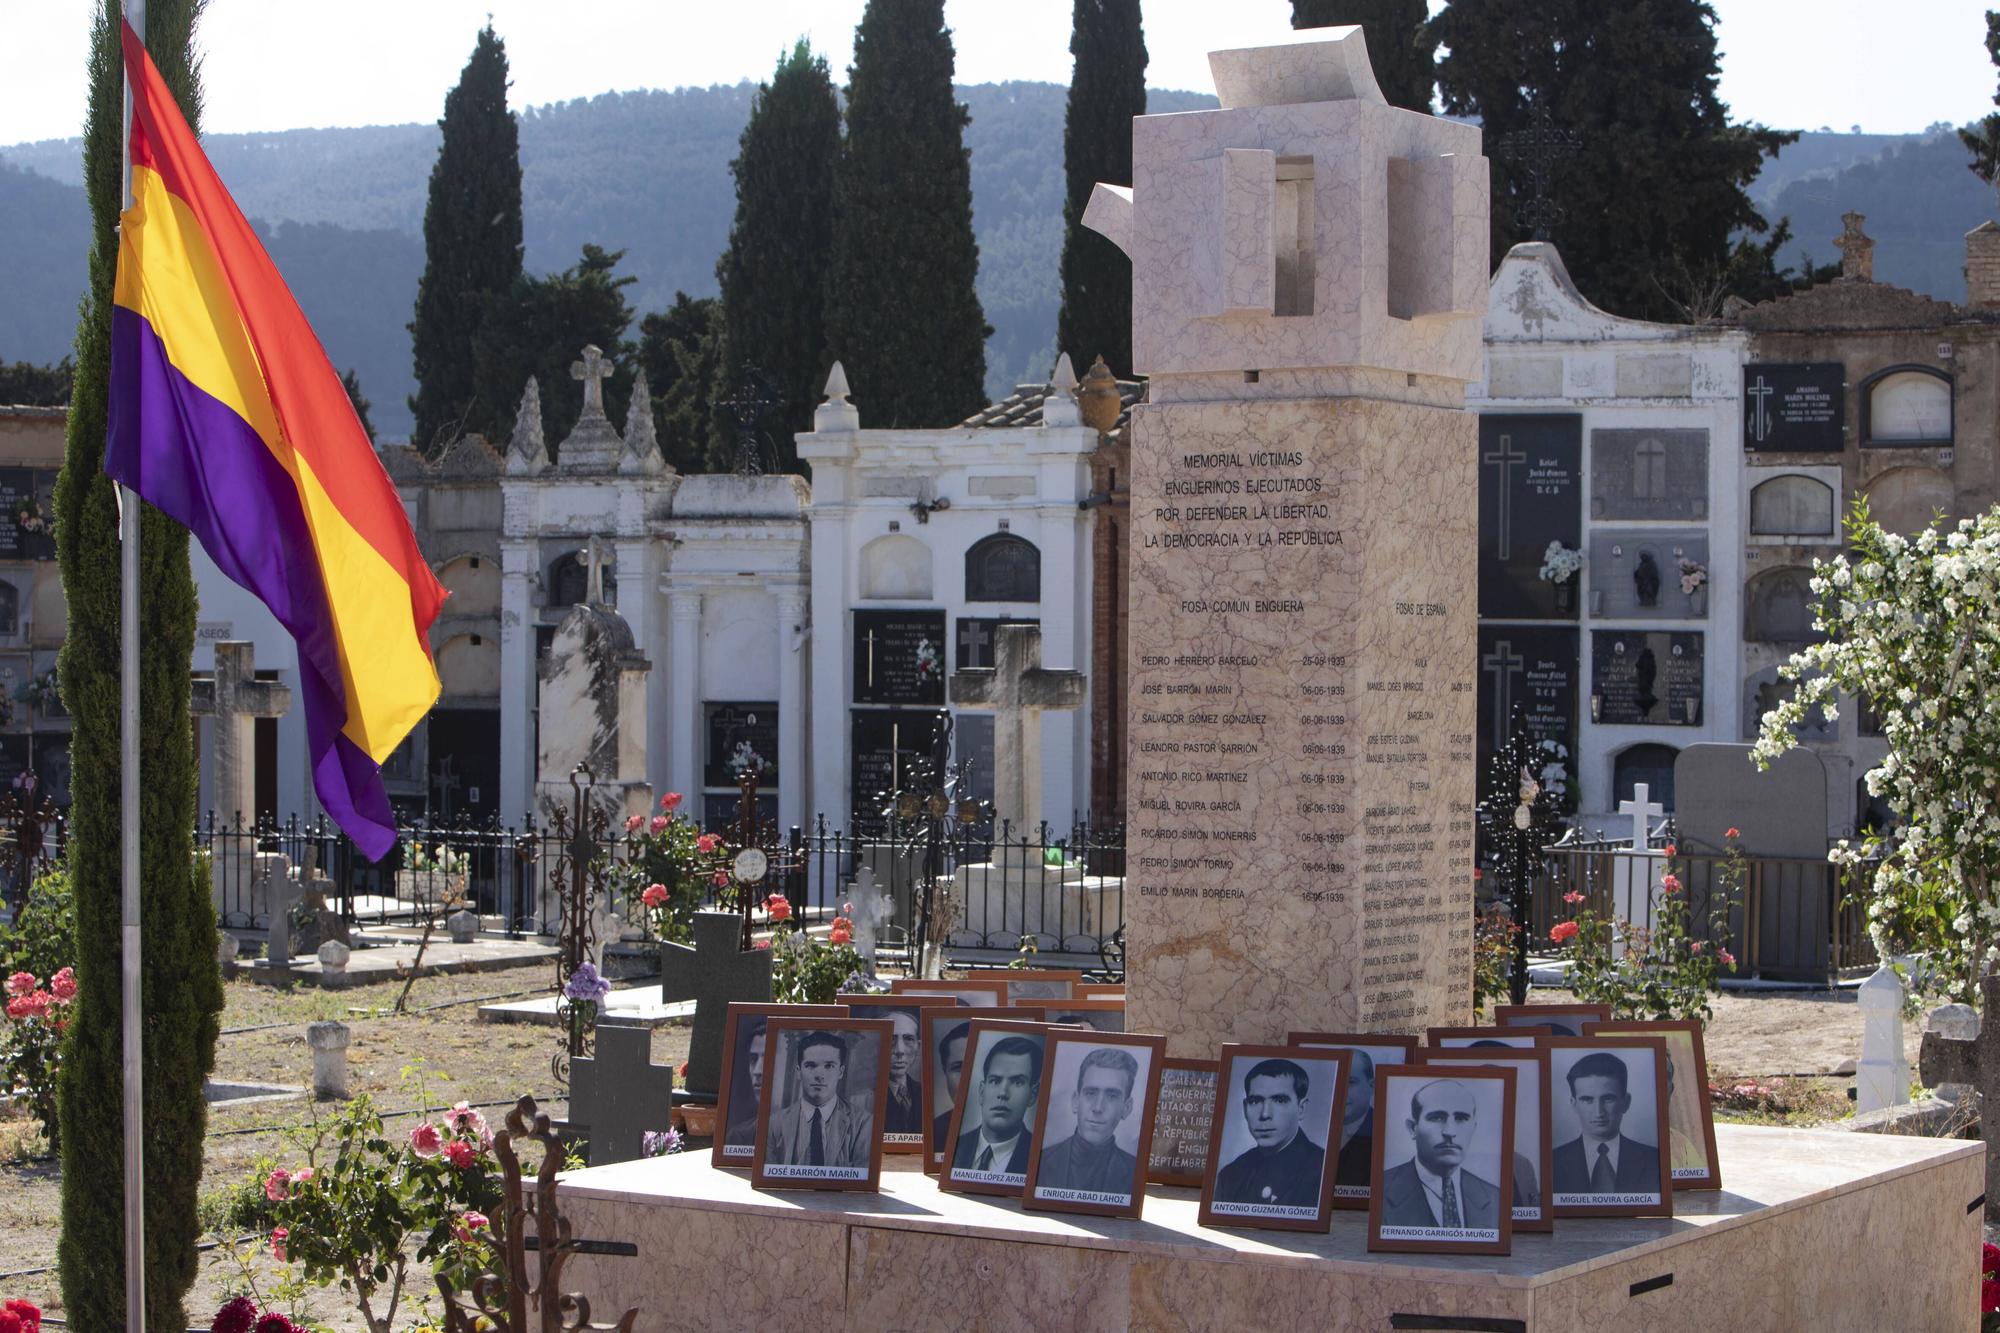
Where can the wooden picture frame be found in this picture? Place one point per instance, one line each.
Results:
(722, 1151)
(1251, 1197)
(1698, 1105)
(1531, 1081)
(937, 1025)
(1518, 1038)
(986, 1035)
(1354, 1164)
(978, 994)
(1096, 990)
(1079, 1012)
(1564, 1019)
(1023, 983)
(1041, 1194)
(773, 1139)
(1564, 1054)
(1190, 1084)
(894, 1141)
(1400, 1211)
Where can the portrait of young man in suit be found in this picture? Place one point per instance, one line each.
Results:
(1603, 1159)
(823, 1126)
(1283, 1166)
(1090, 1159)
(1004, 1092)
(742, 1131)
(1434, 1188)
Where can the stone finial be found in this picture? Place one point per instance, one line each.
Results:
(328, 1041)
(1857, 249)
(1099, 398)
(527, 450)
(1059, 405)
(464, 926)
(642, 444)
(836, 413)
(593, 445)
(593, 370)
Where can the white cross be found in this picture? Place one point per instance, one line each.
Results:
(1642, 811)
(593, 370)
(235, 698)
(1017, 690)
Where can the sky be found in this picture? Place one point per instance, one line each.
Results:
(287, 64)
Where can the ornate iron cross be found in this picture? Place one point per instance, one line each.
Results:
(746, 407)
(1536, 150)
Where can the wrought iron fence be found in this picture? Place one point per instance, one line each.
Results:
(1786, 920)
(1063, 892)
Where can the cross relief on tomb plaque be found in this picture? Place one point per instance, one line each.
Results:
(1646, 678)
(1649, 474)
(899, 657)
(741, 737)
(1535, 667)
(883, 745)
(976, 640)
(1794, 408)
(1530, 470)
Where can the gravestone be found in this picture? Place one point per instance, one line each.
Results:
(1308, 281)
(618, 1094)
(883, 744)
(592, 706)
(1792, 506)
(1018, 690)
(713, 972)
(1536, 667)
(1795, 408)
(1637, 875)
(233, 699)
(899, 657)
(328, 1040)
(1778, 608)
(873, 909)
(976, 642)
(1645, 678)
(1780, 811)
(1530, 494)
(1635, 574)
(1766, 689)
(1882, 1075)
(1653, 474)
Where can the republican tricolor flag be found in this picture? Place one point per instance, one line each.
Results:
(226, 415)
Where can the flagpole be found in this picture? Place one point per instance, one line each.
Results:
(128, 788)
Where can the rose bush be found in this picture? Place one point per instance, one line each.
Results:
(31, 1042)
(805, 970)
(1658, 971)
(668, 865)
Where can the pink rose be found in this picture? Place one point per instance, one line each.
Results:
(1671, 849)
(720, 879)
(670, 802)
(278, 1185)
(654, 896)
(63, 984)
(778, 907)
(460, 1154)
(706, 843)
(1696, 946)
(1670, 883)
(470, 1223)
(1562, 932)
(302, 1175)
(1733, 833)
(839, 934)
(660, 823)
(634, 823)
(278, 1237)
(21, 983)
(17, 1009)
(761, 944)
(425, 1141)
(1572, 897)
(468, 1121)
(1726, 956)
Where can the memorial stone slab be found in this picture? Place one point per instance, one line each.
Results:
(1654, 375)
(27, 531)
(1779, 812)
(975, 640)
(1635, 574)
(1303, 638)
(741, 737)
(1649, 474)
(1645, 678)
(883, 744)
(1765, 690)
(1778, 608)
(1530, 494)
(1795, 408)
(1534, 666)
(619, 1094)
(713, 972)
(899, 657)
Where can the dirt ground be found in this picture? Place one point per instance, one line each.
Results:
(458, 1058)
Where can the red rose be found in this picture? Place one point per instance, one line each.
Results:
(720, 879)
(1563, 932)
(1989, 1259)
(840, 934)
(670, 802)
(460, 1154)
(1671, 849)
(778, 906)
(1733, 833)
(706, 843)
(654, 896)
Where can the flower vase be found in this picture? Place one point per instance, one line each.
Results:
(1566, 597)
(1698, 601)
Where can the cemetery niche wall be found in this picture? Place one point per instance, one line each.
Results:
(1530, 494)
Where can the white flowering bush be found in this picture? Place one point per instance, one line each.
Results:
(1913, 626)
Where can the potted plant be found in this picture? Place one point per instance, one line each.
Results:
(1694, 585)
(1560, 567)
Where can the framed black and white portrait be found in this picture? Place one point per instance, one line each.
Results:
(1529, 1203)
(975, 994)
(906, 1103)
(1105, 1015)
(1443, 1159)
(1354, 1165)
(1520, 1038)
(1094, 1125)
(739, 1090)
(1608, 1117)
(1691, 1158)
(1563, 1020)
(820, 1114)
(992, 1137)
(945, 1032)
(1268, 1164)
(1031, 986)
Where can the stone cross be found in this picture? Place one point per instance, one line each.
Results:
(712, 973)
(619, 1093)
(235, 698)
(596, 555)
(1017, 690)
(1857, 250)
(593, 370)
(872, 910)
(1642, 811)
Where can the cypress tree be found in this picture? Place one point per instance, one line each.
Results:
(1401, 47)
(1982, 137)
(901, 310)
(773, 275)
(351, 382)
(539, 326)
(472, 250)
(182, 991)
(1658, 186)
(1107, 89)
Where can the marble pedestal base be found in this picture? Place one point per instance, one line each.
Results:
(1818, 1229)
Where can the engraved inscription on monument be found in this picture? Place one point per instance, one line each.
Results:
(1798, 408)
(899, 657)
(1302, 748)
